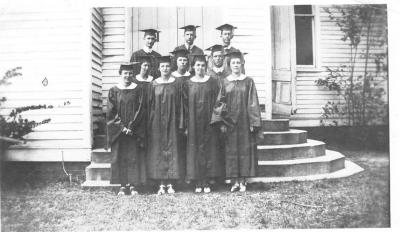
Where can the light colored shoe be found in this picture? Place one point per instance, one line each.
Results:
(133, 191)
(197, 190)
(170, 189)
(207, 189)
(121, 191)
(161, 191)
(235, 187)
(242, 187)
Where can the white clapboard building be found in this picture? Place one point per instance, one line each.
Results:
(79, 49)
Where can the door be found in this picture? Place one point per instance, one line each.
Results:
(283, 61)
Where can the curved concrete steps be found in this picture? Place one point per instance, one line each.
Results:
(284, 137)
(312, 148)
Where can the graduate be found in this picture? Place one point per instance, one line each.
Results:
(181, 59)
(164, 162)
(203, 161)
(126, 131)
(150, 37)
(217, 69)
(227, 34)
(239, 117)
(189, 33)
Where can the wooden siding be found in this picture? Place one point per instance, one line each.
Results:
(48, 42)
(332, 53)
(114, 44)
(97, 30)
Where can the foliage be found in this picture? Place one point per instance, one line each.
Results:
(15, 126)
(362, 97)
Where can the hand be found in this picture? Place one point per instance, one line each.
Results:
(124, 130)
(251, 128)
(129, 132)
(223, 129)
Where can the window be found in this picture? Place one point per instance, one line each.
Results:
(305, 35)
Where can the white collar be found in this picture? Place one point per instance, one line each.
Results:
(160, 81)
(140, 78)
(147, 50)
(205, 79)
(189, 47)
(131, 86)
(177, 74)
(232, 78)
(218, 70)
(227, 47)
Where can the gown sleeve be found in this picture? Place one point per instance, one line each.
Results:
(114, 123)
(137, 124)
(220, 115)
(253, 107)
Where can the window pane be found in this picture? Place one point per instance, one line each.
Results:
(302, 9)
(304, 40)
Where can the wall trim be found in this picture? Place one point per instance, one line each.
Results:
(47, 155)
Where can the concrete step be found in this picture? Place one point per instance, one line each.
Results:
(275, 125)
(101, 155)
(98, 172)
(312, 148)
(331, 162)
(284, 137)
(99, 141)
(99, 183)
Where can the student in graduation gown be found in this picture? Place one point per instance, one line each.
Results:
(181, 59)
(189, 33)
(204, 161)
(240, 119)
(150, 37)
(217, 70)
(165, 124)
(126, 131)
(227, 34)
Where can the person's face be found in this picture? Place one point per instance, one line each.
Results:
(144, 68)
(235, 64)
(149, 40)
(226, 36)
(165, 68)
(126, 76)
(218, 58)
(181, 63)
(190, 36)
(199, 67)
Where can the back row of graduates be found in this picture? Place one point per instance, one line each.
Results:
(198, 123)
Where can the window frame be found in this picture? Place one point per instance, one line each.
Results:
(316, 35)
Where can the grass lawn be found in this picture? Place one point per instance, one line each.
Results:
(361, 200)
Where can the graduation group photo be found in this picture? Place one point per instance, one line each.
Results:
(212, 117)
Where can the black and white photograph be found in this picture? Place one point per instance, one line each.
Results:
(185, 115)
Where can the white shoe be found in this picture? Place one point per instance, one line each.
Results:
(235, 187)
(161, 190)
(242, 187)
(133, 191)
(197, 190)
(207, 189)
(170, 189)
(121, 191)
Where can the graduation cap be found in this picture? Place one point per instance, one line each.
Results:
(163, 59)
(128, 66)
(215, 48)
(153, 32)
(189, 27)
(180, 52)
(226, 26)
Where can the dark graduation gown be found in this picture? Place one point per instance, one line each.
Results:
(203, 157)
(239, 109)
(166, 119)
(126, 109)
(154, 64)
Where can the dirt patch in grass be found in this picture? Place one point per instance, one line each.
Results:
(361, 200)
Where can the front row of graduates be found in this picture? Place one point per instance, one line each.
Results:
(195, 127)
